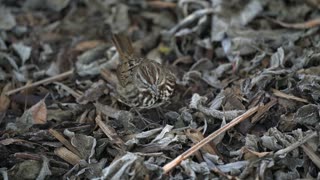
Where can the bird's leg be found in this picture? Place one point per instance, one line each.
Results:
(161, 115)
(145, 120)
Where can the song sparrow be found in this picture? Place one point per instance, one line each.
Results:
(143, 83)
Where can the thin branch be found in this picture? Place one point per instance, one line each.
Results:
(304, 25)
(311, 154)
(109, 132)
(288, 96)
(161, 4)
(208, 139)
(296, 144)
(44, 81)
(64, 141)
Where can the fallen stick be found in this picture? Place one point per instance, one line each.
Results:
(64, 141)
(288, 96)
(109, 132)
(44, 81)
(303, 25)
(206, 140)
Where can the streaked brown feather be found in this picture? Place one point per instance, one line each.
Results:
(124, 46)
(136, 75)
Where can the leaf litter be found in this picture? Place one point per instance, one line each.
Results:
(246, 104)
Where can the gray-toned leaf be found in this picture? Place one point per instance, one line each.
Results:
(270, 142)
(3, 75)
(7, 20)
(23, 51)
(308, 115)
(84, 144)
(286, 175)
(193, 168)
(45, 170)
(3, 46)
(56, 5)
(277, 59)
(231, 166)
(28, 169)
(252, 142)
(8, 58)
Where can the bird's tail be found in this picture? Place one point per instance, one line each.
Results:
(123, 45)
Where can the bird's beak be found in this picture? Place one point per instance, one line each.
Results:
(154, 88)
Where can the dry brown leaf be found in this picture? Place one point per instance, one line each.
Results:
(39, 112)
(86, 45)
(5, 100)
(196, 136)
(249, 154)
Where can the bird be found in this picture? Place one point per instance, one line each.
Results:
(143, 83)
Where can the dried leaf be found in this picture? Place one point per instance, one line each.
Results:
(5, 100)
(7, 20)
(23, 51)
(39, 112)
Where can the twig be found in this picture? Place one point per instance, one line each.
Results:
(161, 4)
(295, 145)
(67, 155)
(109, 132)
(218, 171)
(44, 81)
(287, 96)
(304, 25)
(263, 109)
(311, 154)
(64, 141)
(208, 139)
(69, 90)
(23, 155)
(109, 76)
